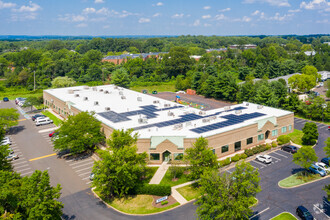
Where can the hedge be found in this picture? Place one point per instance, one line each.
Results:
(283, 139)
(153, 189)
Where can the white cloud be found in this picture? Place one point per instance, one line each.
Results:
(6, 5)
(278, 17)
(246, 19)
(98, 1)
(224, 10)
(324, 21)
(32, 7)
(102, 11)
(144, 20)
(207, 7)
(316, 4)
(207, 25)
(255, 13)
(178, 15)
(72, 18)
(159, 4)
(89, 10)
(294, 10)
(156, 15)
(279, 3)
(78, 18)
(81, 25)
(24, 16)
(206, 16)
(197, 23)
(220, 17)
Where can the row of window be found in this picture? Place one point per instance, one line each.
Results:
(156, 156)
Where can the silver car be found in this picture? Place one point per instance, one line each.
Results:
(264, 158)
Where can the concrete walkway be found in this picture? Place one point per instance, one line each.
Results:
(160, 173)
(177, 196)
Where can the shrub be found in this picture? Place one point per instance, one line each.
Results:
(268, 147)
(274, 144)
(164, 202)
(176, 171)
(243, 156)
(154, 189)
(248, 152)
(283, 139)
(235, 158)
(224, 162)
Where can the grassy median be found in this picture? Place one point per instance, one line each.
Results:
(167, 179)
(55, 119)
(189, 192)
(296, 136)
(284, 216)
(298, 179)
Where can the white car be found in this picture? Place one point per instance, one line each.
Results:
(180, 92)
(12, 157)
(264, 158)
(323, 166)
(5, 142)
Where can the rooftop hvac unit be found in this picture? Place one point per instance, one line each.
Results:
(101, 90)
(139, 99)
(143, 120)
(116, 87)
(205, 120)
(106, 92)
(188, 123)
(86, 87)
(85, 98)
(260, 106)
(123, 97)
(94, 89)
(107, 108)
(237, 112)
(227, 108)
(96, 103)
(70, 91)
(121, 93)
(170, 113)
(156, 101)
(167, 105)
(76, 95)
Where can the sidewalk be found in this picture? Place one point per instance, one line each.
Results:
(55, 114)
(160, 173)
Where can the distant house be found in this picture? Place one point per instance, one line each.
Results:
(118, 59)
(286, 78)
(327, 43)
(196, 57)
(324, 75)
(245, 46)
(310, 53)
(217, 50)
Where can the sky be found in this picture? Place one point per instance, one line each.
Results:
(164, 17)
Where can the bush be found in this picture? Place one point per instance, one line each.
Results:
(283, 139)
(164, 202)
(248, 152)
(274, 144)
(176, 171)
(153, 189)
(224, 162)
(235, 158)
(268, 147)
(243, 156)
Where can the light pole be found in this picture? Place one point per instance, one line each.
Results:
(34, 80)
(323, 107)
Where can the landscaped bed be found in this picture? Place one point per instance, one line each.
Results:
(284, 216)
(298, 179)
(167, 179)
(55, 119)
(296, 136)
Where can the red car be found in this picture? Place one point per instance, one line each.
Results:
(54, 133)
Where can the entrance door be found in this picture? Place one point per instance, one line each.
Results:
(267, 134)
(166, 156)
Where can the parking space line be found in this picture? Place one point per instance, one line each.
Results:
(89, 182)
(258, 163)
(275, 157)
(82, 165)
(280, 154)
(22, 119)
(79, 162)
(321, 211)
(85, 178)
(83, 169)
(82, 174)
(25, 165)
(23, 174)
(20, 162)
(18, 171)
(228, 171)
(259, 213)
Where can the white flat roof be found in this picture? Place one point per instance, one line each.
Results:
(121, 108)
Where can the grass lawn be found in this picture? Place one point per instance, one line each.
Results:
(14, 92)
(296, 136)
(297, 179)
(140, 204)
(284, 216)
(254, 202)
(55, 119)
(167, 180)
(189, 192)
(166, 87)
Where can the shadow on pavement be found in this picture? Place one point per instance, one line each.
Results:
(296, 170)
(66, 217)
(16, 129)
(326, 206)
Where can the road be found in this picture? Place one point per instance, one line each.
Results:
(79, 203)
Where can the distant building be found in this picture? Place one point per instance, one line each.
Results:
(327, 43)
(286, 78)
(216, 50)
(245, 46)
(118, 59)
(196, 57)
(324, 75)
(310, 53)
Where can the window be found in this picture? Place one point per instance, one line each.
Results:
(154, 156)
(237, 146)
(260, 137)
(283, 129)
(290, 127)
(249, 141)
(224, 149)
(178, 156)
(213, 150)
(274, 132)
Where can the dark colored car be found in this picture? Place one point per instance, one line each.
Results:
(54, 133)
(303, 213)
(34, 117)
(326, 160)
(290, 149)
(5, 99)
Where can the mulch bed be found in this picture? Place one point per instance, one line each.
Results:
(170, 200)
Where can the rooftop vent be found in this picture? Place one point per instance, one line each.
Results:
(70, 91)
(260, 106)
(107, 108)
(94, 89)
(101, 90)
(76, 95)
(123, 97)
(205, 120)
(116, 87)
(121, 93)
(85, 98)
(139, 99)
(143, 120)
(106, 92)
(96, 103)
(202, 113)
(167, 105)
(86, 87)
(237, 112)
(227, 108)
(170, 113)
(156, 101)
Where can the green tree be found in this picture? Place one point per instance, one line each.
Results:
(8, 117)
(121, 78)
(327, 190)
(312, 71)
(200, 158)
(31, 101)
(79, 133)
(119, 172)
(305, 156)
(121, 138)
(302, 82)
(310, 133)
(228, 196)
(4, 152)
(64, 81)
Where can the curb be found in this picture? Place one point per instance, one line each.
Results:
(156, 213)
(283, 213)
(291, 187)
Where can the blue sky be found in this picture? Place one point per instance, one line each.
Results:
(164, 17)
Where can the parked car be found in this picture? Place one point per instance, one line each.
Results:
(264, 158)
(326, 160)
(43, 121)
(34, 117)
(321, 84)
(180, 92)
(17, 100)
(323, 166)
(21, 103)
(5, 99)
(5, 142)
(290, 149)
(11, 157)
(54, 133)
(303, 213)
(91, 176)
(317, 170)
